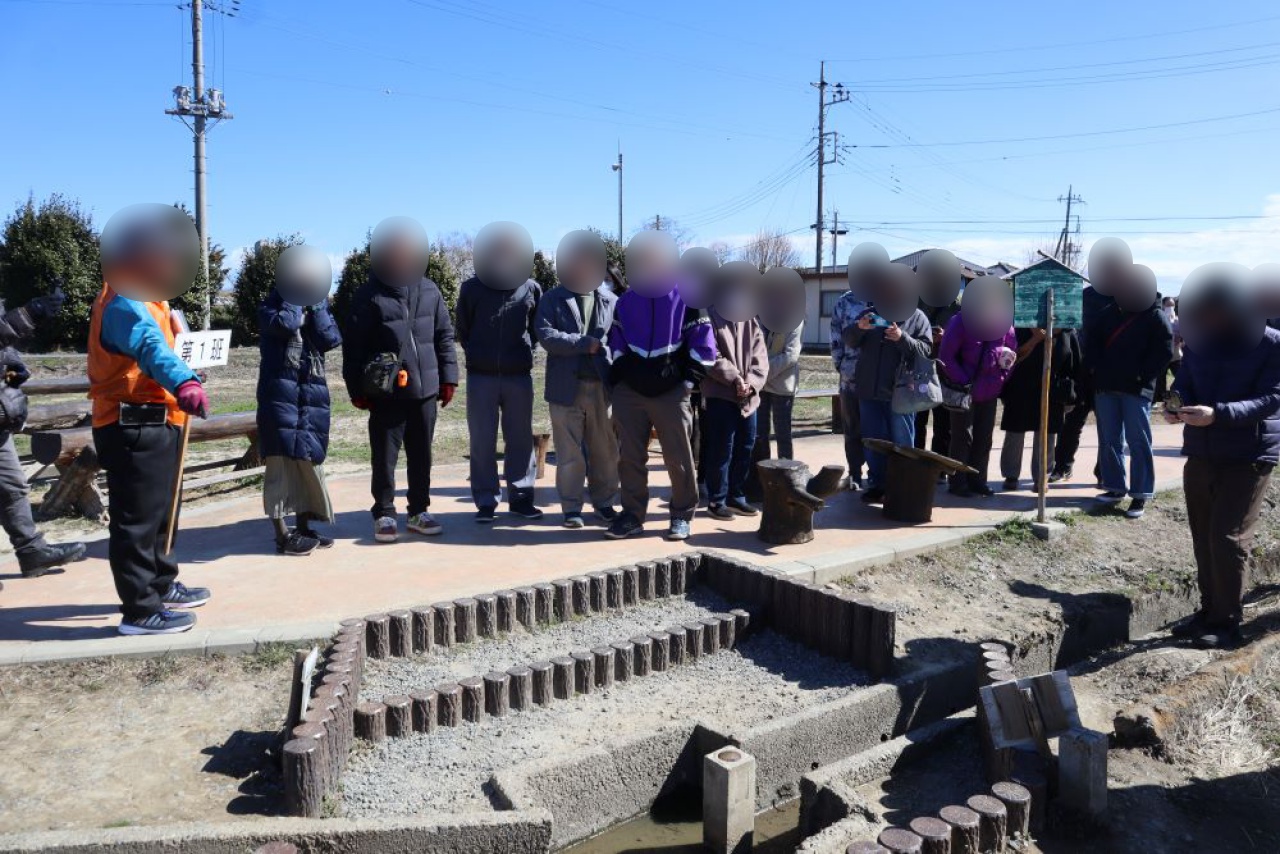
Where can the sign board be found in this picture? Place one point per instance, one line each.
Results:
(1029, 288)
(204, 349)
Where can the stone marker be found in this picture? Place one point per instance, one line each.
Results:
(1082, 771)
(728, 801)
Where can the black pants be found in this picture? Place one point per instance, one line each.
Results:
(971, 435)
(392, 423)
(141, 464)
(941, 442)
(774, 422)
(1064, 456)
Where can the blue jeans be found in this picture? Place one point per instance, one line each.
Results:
(1125, 418)
(727, 439)
(879, 421)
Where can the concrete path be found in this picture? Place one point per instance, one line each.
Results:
(260, 597)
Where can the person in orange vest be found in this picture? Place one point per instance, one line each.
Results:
(142, 395)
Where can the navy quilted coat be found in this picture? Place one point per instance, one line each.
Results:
(293, 397)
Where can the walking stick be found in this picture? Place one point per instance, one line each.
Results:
(177, 485)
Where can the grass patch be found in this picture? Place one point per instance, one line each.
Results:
(268, 656)
(120, 822)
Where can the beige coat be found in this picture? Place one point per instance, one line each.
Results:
(740, 354)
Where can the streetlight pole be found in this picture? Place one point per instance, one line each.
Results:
(617, 167)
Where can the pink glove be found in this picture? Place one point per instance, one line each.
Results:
(192, 399)
(1006, 358)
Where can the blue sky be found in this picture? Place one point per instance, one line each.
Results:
(459, 112)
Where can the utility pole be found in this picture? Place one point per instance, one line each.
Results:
(1065, 250)
(839, 94)
(201, 106)
(617, 167)
(835, 231)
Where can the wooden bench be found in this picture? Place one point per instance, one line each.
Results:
(72, 452)
(837, 417)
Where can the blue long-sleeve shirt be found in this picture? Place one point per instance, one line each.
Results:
(129, 330)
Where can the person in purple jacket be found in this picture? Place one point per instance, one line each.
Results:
(981, 366)
(660, 349)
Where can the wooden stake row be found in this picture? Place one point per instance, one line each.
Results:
(985, 825)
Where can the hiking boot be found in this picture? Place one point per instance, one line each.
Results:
(43, 558)
(182, 596)
(1191, 627)
(606, 514)
(624, 526)
(486, 515)
(1137, 507)
(384, 530)
(719, 511)
(297, 544)
(678, 530)
(1223, 637)
(422, 523)
(524, 508)
(741, 507)
(162, 623)
(573, 521)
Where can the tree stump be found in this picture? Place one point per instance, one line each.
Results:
(604, 666)
(584, 671)
(446, 634)
(426, 710)
(76, 489)
(791, 497)
(521, 688)
(613, 588)
(303, 792)
(899, 841)
(992, 818)
(472, 698)
(693, 641)
(526, 607)
(497, 693)
(934, 833)
(661, 651)
(623, 660)
(563, 605)
(399, 715)
(544, 603)
(371, 721)
(487, 615)
(642, 657)
(316, 731)
(562, 676)
(964, 829)
(378, 641)
(424, 629)
(449, 703)
(467, 619)
(506, 611)
(401, 624)
(543, 682)
(1017, 805)
(581, 595)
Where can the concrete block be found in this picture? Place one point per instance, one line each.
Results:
(1082, 771)
(728, 801)
(1048, 530)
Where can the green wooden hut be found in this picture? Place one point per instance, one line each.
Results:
(1031, 283)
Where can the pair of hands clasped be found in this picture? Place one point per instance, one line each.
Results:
(446, 397)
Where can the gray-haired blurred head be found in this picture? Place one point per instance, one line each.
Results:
(398, 251)
(987, 308)
(1264, 283)
(1137, 289)
(737, 291)
(782, 300)
(652, 263)
(939, 274)
(1217, 312)
(304, 275)
(581, 261)
(503, 254)
(895, 293)
(150, 252)
(867, 263)
(1109, 257)
(698, 266)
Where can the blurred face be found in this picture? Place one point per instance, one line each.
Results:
(150, 252)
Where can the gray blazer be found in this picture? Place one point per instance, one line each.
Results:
(558, 324)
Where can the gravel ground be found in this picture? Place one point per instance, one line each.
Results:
(767, 676)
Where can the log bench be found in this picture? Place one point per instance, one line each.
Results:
(837, 417)
(71, 451)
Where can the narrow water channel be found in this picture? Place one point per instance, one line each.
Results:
(676, 830)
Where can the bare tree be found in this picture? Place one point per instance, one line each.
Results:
(722, 250)
(770, 249)
(456, 247)
(681, 235)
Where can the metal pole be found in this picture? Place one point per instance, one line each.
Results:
(619, 193)
(1042, 472)
(202, 220)
(822, 156)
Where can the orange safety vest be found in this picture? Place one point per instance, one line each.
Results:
(115, 378)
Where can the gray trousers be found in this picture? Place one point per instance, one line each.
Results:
(507, 401)
(634, 415)
(15, 501)
(1011, 454)
(586, 448)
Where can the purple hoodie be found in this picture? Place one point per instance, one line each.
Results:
(968, 361)
(658, 343)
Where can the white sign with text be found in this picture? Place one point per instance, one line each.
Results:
(204, 349)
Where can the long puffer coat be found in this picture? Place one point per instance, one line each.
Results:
(293, 397)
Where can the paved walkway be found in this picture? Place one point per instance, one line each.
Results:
(261, 597)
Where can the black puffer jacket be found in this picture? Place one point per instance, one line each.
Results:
(411, 322)
(1128, 350)
(496, 328)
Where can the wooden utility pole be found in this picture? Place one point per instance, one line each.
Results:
(1042, 440)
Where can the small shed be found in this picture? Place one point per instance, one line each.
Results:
(1031, 283)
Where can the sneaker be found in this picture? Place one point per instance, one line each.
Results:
(1111, 497)
(853, 484)
(1223, 637)
(960, 490)
(1191, 627)
(679, 530)
(719, 511)
(982, 490)
(624, 526)
(486, 515)
(422, 523)
(384, 530)
(1137, 507)
(297, 544)
(874, 495)
(606, 514)
(40, 560)
(1059, 475)
(182, 596)
(742, 507)
(1010, 484)
(573, 521)
(525, 509)
(321, 542)
(163, 623)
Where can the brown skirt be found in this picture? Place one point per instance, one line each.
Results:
(295, 486)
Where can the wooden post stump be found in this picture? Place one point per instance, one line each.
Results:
(506, 611)
(562, 678)
(934, 833)
(544, 603)
(679, 570)
(472, 698)
(563, 605)
(76, 489)
(992, 822)
(526, 607)
(304, 794)
(487, 615)
(630, 586)
(710, 635)
(399, 715)
(581, 595)
(371, 721)
(647, 574)
(401, 623)
(604, 666)
(378, 641)
(884, 622)
(964, 829)
(791, 497)
(693, 640)
(1017, 805)
(521, 688)
(623, 660)
(584, 671)
(426, 710)
(424, 629)
(866, 848)
(661, 651)
(465, 614)
(899, 841)
(642, 658)
(446, 634)
(662, 579)
(678, 644)
(449, 702)
(497, 693)
(543, 682)
(613, 588)
(727, 623)
(599, 592)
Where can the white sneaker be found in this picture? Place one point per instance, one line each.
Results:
(384, 530)
(422, 523)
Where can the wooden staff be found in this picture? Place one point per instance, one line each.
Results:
(177, 485)
(1042, 474)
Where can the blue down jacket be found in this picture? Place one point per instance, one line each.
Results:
(293, 397)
